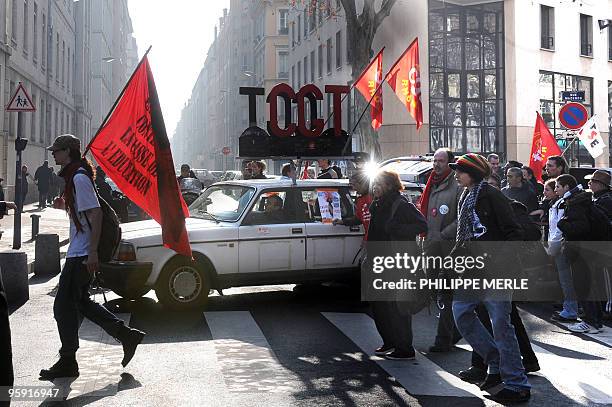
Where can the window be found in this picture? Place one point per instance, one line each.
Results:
(609, 43)
(223, 202)
(293, 77)
(547, 27)
(299, 28)
(313, 18)
(68, 74)
(550, 85)
(466, 77)
(57, 53)
(42, 109)
(283, 61)
(312, 66)
(320, 61)
(63, 60)
(586, 35)
(282, 21)
(339, 205)
(35, 36)
(293, 35)
(272, 207)
(25, 26)
(34, 121)
(306, 69)
(299, 74)
(339, 50)
(306, 22)
(14, 21)
(43, 44)
(328, 44)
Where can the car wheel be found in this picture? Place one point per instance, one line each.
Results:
(183, 285)
(132, 294)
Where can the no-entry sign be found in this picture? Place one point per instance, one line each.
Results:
(573, 115)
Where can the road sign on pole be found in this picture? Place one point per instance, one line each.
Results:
(573, 115)
(20, 102)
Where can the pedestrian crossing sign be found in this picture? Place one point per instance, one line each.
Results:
(20, 102)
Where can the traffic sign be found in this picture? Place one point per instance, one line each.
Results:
(573, 115)
(572, 95)
(21, 102)
(226, 150)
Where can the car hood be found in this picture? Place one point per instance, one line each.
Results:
(139, 232)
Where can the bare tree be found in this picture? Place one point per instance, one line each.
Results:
(361, 29)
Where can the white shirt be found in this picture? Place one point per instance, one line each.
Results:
(84, 199)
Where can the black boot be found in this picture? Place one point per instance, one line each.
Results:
(66, 366)
(130, 338)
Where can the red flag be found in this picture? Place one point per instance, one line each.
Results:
(368, 84)
(132, 147)
(543, 146)
(405, 80)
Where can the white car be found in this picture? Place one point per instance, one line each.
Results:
(242, 233)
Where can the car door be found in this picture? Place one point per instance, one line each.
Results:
(329, 245)
(272, 242)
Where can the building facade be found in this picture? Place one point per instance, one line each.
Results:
(52, 48)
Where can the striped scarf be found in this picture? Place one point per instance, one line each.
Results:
(468, 224)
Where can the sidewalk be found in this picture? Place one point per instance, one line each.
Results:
(51, 221)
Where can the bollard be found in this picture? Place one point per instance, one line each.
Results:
(14, 269)
(47, 255)
(35, 225)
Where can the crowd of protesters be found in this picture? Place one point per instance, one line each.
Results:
(473, 199)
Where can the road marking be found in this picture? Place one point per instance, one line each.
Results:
(420, 377)
(245, 358)
(99, 358)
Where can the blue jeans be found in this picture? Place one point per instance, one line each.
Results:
(570, 305)
(501, 352)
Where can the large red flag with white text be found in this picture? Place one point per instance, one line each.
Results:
(132, 147)
(368, 84)
(404, 77)
(543, 146)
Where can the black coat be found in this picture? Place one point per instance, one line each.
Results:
(575, 224)
(495, 213)
(603, 199)
(406, 225)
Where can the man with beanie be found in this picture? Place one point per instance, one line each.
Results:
(72, 300)
(485, 215)
(438, 204)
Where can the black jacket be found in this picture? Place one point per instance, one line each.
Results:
(525, 195)
(575, 224)
(603, 199)
(406, 224)
(495, 213)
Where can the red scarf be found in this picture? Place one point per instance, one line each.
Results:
(68, 195)
(434, 179)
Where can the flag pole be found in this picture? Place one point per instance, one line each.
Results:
(112, 109)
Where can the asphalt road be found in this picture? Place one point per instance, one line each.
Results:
(287, 346)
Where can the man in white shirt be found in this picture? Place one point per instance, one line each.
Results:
(72, 301)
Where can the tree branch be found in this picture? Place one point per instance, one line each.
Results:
(385, 10)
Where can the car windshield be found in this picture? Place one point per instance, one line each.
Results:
(222, 202)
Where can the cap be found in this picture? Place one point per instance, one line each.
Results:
(65, 141)
(601, 176)
(473, 164)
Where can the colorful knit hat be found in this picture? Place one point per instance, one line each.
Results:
(474, 164)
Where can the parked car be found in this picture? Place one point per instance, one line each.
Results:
(413, 171)
(237, 240)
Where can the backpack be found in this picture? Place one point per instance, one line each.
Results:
(601, 224)
(110, 234)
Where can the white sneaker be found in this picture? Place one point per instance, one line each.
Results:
(584, 328)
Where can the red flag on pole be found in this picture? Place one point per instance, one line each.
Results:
(368, 84)
(132, 147)
(543, 146)
(404, 77)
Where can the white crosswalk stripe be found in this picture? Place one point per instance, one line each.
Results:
(244, 355)
(432, 379)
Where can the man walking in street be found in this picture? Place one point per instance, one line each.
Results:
(439, 206)
(72, 301)
(519, 190)
(42, 177)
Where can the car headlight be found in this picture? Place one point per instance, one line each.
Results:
(126, 252)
